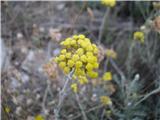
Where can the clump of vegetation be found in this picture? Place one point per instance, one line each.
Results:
(98, 66)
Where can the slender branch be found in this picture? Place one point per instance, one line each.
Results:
(81, 107)
(148, 95)
(102, 27)
(88, 111)
(62, 95)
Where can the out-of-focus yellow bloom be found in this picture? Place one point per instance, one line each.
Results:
(39, 117)
(108, 112)
(74, 87)
(109, 3)
(107, 76)
(7, 109)
(138, 35)
(110, 53)
(105, 100)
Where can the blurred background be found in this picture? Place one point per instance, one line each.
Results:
(30, 37)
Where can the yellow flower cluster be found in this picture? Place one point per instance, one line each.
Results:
(105, 100)
(110, 53)
(109, 3)
(80, 54)
(107, 76)
(138, 35)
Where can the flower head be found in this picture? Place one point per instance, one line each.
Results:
(109, 3)
(138, 35)
(107, 76)
(105, 100)
(80, 54)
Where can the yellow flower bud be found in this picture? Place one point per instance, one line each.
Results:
(138, 35)
(89, 48)
(68, 55)
(75, 37)
(56, 59)
(95, 50)
(87, 40)
(78, 64)
(89, 67)
(105, 100)
(83, 58)
(107, 76)
(95, 65)
(63, 51)
(80, 51)
(75, 57)
(62, 65)
(89, 53)
(83, 80)
(66, 70)
(92, 74)
(80, 41)
(70, 63)
(73, 42)
(62, 57)
(81, 36)
(74, 87)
